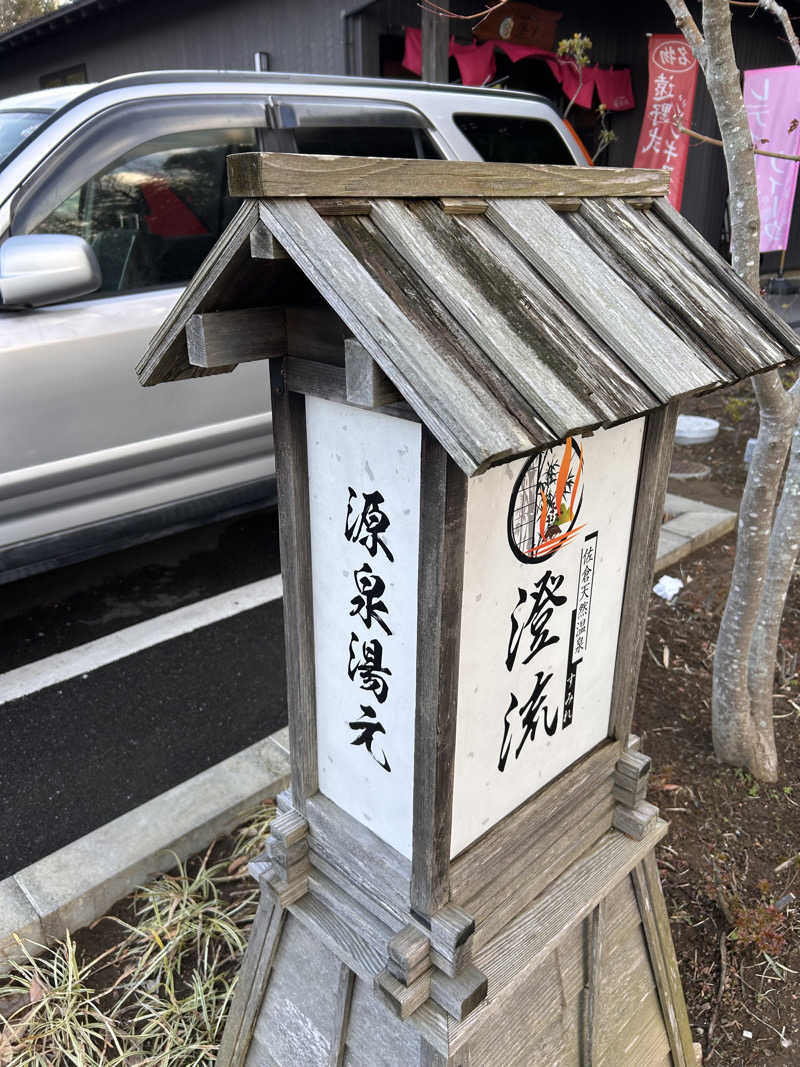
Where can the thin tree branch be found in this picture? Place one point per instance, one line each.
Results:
(579, 68)
(429, 5)
(781, 14)
(688, 27)
(723, 981)
(716, 141)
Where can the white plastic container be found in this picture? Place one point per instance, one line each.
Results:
(695, 430)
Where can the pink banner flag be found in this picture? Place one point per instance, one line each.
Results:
(772, 99)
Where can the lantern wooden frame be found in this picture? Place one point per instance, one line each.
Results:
(455, 959)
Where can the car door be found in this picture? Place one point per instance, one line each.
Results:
(145, 184)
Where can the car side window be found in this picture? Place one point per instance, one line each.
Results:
(395, 142)
(507, 139)
(153, 214)
(347, 126)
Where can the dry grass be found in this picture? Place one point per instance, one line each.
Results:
(158, 996)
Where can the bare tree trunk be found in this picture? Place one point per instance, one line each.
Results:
(744, 662)
(435, 43)
(739, 737)
(783, 550)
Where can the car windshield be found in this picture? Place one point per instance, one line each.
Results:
(16, 127)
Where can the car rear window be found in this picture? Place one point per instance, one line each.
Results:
(389, 141)
(507, 139)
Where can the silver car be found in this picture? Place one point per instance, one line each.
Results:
(119, 190)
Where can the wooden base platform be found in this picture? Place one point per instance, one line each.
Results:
(584, 975)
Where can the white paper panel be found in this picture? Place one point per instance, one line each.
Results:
(365, 639)
(517, 642)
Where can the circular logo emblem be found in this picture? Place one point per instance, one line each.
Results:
(506, 28)
(673, 57)
(545, 503)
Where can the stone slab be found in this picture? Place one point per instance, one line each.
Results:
(76, 884)
(17, 916)
(671, 548)
(701, 526)
(691, 525)
(675, 505)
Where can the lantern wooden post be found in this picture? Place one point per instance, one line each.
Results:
(656, 458)
(474, 372)
(291, 469)
(442, 507)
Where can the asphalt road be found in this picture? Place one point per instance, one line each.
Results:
(81, 752)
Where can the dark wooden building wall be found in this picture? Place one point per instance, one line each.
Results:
(204, 35)
(324, 37)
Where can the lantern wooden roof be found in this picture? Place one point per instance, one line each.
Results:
(510, 305)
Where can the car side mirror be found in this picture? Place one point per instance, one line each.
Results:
(47, 268)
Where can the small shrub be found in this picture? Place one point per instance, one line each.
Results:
(737, 407)
(159, 996)
(759, 924)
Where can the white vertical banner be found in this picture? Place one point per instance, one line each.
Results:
(364, 488)
(546, 555)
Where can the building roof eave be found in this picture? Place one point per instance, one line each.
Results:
(54, 21)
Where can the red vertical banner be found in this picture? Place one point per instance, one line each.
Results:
(670, 102)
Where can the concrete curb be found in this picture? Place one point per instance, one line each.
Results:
(691, 525)
(75, 885)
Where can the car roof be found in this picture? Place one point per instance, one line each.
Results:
(54, 99)
(49, 99)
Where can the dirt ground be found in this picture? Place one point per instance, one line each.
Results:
(730, 862)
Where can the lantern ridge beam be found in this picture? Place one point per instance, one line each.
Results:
(276, 174)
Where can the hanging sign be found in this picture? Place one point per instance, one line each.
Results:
(670, 101)
(521, 24)
(545, 562)
(771, 99)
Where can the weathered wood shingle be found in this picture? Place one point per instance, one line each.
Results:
(505, 329)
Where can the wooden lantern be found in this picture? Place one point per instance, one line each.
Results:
(475, 372)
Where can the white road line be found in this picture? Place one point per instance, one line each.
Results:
(85, 658)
